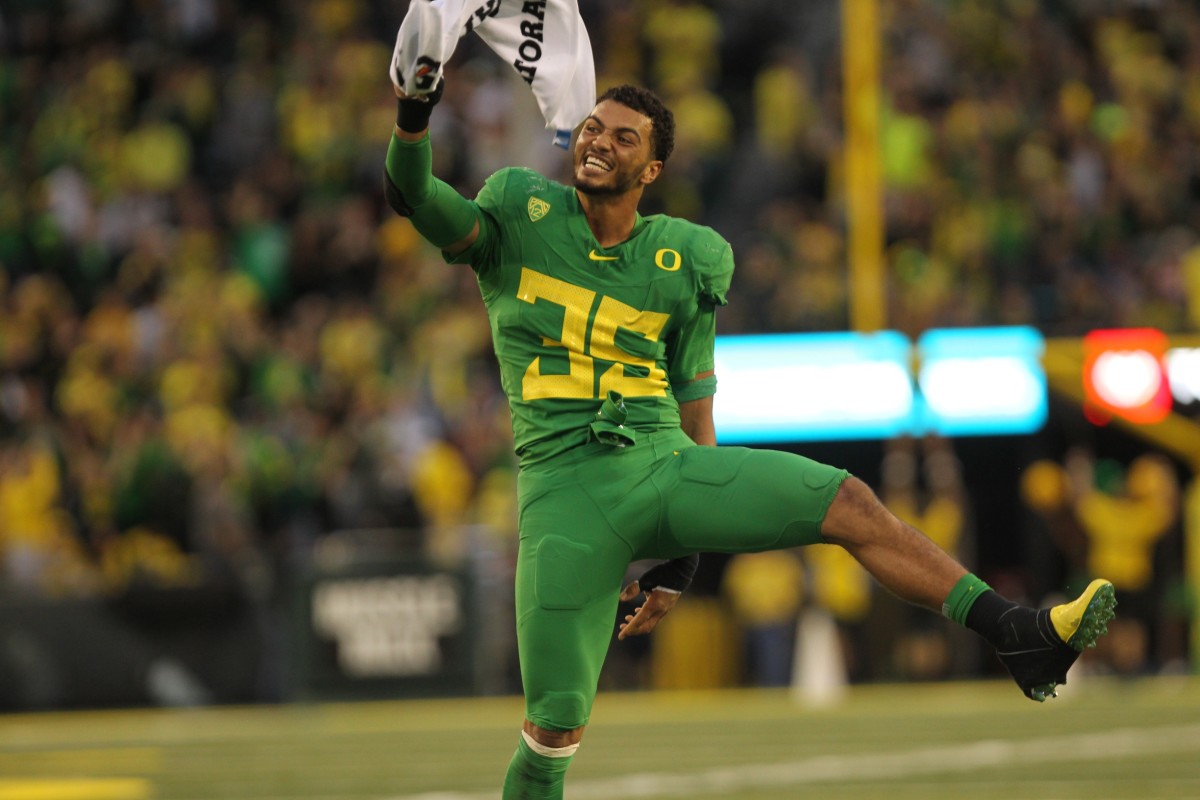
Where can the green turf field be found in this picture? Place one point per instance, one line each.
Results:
(1101, 739)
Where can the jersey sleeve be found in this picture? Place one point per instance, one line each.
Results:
(694, 343)
(714, 281)
(483, 254)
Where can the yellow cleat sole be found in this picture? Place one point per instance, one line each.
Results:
(1085, 619)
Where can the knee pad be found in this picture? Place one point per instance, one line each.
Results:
(558, 710)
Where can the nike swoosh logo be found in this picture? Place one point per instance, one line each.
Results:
(594, 256)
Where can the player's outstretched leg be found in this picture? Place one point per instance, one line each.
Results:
(1038, 648)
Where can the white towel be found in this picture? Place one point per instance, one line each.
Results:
(545, 41)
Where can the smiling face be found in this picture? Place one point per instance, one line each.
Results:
(613, 154)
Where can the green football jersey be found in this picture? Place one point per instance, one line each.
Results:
(572, 321)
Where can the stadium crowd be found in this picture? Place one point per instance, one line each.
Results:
(217, 344)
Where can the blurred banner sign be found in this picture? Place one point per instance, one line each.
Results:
(389, 626)
(380, 629)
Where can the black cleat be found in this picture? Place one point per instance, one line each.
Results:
(1044, 645)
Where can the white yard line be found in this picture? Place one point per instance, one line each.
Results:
(1119, 743)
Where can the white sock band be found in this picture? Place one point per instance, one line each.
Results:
(549, 752)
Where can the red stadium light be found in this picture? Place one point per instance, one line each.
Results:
(1125, 376)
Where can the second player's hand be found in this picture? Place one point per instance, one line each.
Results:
(646, 616)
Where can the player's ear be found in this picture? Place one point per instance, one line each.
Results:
(651, 172)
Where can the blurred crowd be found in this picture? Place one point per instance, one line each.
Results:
(218, 345)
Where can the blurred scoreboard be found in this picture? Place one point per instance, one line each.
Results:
(844, 386)
(1136, 375)
(950, 382)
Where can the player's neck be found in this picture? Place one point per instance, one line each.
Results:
(611, 217)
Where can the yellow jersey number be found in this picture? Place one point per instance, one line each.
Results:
(611, 315)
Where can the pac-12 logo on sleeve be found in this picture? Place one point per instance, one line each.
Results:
(537, 208)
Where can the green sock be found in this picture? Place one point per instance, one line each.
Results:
(534, 777)
(962, 597)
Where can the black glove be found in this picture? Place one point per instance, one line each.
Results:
(675, 575)
(412, 113)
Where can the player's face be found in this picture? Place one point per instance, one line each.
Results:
(612, 153)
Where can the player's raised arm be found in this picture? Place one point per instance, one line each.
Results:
(440, 214)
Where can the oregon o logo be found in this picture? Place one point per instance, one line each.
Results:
(668, 259)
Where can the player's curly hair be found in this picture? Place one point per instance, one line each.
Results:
(646, 102)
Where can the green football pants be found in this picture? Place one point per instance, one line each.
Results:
(586, 515)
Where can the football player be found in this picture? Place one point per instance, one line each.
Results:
(603, 323)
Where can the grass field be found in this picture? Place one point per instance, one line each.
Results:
(1099, 740)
